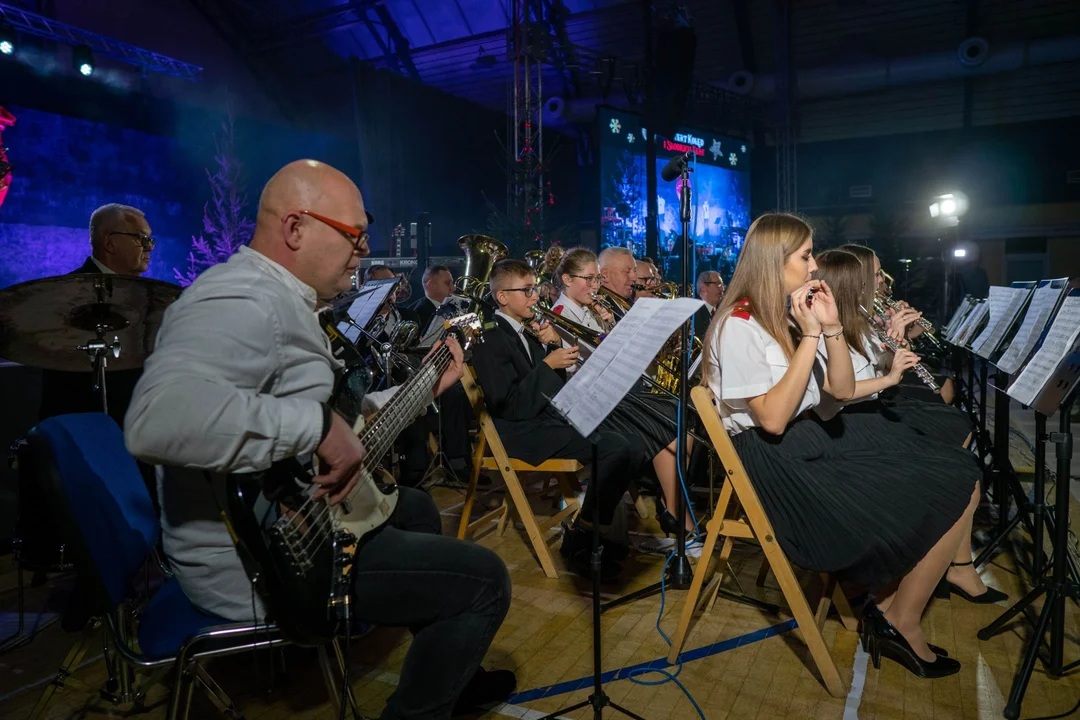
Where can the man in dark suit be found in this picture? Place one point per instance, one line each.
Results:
(438, 285)
(517, 374)
(710, 288)
(120, 243)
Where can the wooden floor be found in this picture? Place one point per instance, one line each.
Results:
(753, 665)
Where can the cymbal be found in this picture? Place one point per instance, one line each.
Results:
(43, 322)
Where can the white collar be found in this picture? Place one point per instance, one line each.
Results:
(101, 266)
(565, 299)
(519, 328)
(286, 277)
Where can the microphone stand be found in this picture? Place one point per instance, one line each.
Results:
(681, 572)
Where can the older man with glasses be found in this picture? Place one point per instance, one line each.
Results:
(120, 241)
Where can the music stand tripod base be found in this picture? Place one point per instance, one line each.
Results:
(599, 699)
(1057, 588)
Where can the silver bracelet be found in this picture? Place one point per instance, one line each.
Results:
(838, 333)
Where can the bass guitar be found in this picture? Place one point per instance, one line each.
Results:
(299, 550)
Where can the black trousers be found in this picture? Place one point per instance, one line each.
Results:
(452, 595)
(618, 461)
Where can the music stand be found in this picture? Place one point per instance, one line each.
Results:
(1057, 395)
(599, 699)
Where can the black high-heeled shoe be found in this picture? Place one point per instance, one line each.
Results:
(872, 614)
(945, 589)
(881, 638)
(670, 525)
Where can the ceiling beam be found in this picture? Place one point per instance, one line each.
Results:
(266, 75)
(315, 25)
(399, 41)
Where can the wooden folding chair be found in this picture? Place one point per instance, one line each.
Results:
(727, 521)
(563, 470)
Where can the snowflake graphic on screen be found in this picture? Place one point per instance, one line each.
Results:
(615, 125)
(644, 135)
(743, 148)
(732, 159)
(715, 149)
(629, 137)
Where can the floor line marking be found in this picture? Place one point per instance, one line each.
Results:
(858, 683)
(569, 686)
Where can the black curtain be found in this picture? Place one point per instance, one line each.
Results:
(421, 150)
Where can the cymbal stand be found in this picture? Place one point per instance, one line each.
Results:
(98, 351)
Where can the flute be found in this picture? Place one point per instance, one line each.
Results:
(921, 370)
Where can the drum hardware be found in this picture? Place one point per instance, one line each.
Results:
(42, 321)
(98, 351)
(22, 554)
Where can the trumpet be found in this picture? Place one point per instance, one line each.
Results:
(924, 374)
(666, 290)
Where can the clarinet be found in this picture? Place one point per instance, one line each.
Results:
(921, 370)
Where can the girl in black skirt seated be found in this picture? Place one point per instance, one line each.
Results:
(911, 401)
(578, 278)
(843, 504)
(937, 457)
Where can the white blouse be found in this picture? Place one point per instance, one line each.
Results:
(575, 313)
(864, 370)
(747, 362)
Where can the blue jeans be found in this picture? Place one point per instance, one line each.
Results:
(452, 595)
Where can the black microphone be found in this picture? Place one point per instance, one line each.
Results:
(675, 166)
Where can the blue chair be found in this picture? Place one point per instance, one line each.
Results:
(93, 484)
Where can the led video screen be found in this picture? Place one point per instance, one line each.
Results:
(720, 193)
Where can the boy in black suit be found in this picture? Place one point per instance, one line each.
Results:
(518, 374)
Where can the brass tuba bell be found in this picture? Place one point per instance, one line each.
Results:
(481, 253)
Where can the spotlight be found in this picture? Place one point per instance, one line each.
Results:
(83, 60)
(959, 252)
(7, 39)
(949, 205)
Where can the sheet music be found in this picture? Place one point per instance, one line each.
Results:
(1005, 305)
(1035, 319)
(959, 313)
(972, 321)
(618, 362)
(1057, 344)
(450, 308)
(954, 329)
(364, 307)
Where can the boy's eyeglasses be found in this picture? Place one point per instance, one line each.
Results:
(529, 291)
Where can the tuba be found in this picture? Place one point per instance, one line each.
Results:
(535, 258)
(481, 253)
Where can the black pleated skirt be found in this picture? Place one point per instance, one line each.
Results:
(929, 417)
(646, 416)
(854, 496)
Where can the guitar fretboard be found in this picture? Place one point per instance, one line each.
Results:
(406, 404)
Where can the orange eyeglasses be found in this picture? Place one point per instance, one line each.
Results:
(358, 238)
